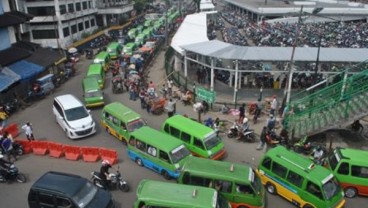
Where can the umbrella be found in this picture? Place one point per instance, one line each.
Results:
(72, 50)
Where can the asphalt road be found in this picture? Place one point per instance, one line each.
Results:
(45, 128)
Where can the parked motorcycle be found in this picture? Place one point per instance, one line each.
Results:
(17, 149)
(247, 135)
(11, 174)
(116, 181)
(233, 130)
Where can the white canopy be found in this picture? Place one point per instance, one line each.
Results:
(192, 30)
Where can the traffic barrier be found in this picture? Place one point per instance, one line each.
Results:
(39, 147)
(27, 145)
(71, 152)
(12, 129)
(90, 154)
(110, 155)
(55, 150)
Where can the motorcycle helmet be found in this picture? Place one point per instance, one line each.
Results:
(245, 120)
(105, 162)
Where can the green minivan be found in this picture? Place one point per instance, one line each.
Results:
(120, 121)
(139, 40)
(92, 94)
(114, 49)
(104, 59)
(95, 70)
(201, 140)
(129, 48)
(238, 183)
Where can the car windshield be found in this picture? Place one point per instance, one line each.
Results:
(222, 202)
(256, 182)
(179, 153)
(330, 188)
(334, 159)
(211, 141)
(85, 195)
(76, 113)
(95, 93)
(136, 124)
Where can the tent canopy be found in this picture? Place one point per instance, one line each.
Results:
(7, 78)
(192, 30)
(25, 69)
(218, 49)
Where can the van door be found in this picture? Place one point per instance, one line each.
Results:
(360, 178)
(243, 193)
(198, 148)
(59, 113)
(112, 124)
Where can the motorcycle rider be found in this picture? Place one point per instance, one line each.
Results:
(4, 165)
(245, 126)
(104, 173)
(318, 154)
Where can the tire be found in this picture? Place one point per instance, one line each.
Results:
(19, 151)
(242, 207)
(124, 187)
(166, 175)
(230, 135)
(308, 206)
(139, 162)
(271, 188)
(350, 192)
(21, 178)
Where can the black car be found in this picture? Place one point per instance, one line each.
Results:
(55, 189)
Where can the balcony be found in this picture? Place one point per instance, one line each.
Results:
(64, 17)
(116, 9)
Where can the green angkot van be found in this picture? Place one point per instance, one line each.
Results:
(350, 167)
(114, 50)
(120, 121)
(139, 28)
(139, 40)
(148, 23)
(96, 71)
(132, 33)
(129, 48)
(147, 33)
(156, 194)
(157, 151)
(201, 140)
(104, 59)
(238, 183)
(92, 94)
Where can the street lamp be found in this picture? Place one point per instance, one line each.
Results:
(291, 65)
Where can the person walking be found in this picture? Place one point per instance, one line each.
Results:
(263, 144)
(29, 131)
(169, 87)
(273, 105)
(170, 107)
(241, 113)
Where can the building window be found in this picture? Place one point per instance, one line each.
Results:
(80, 26)
(41, 11)
(78, 6)
(86, 24)
(71, 7)
(44, 34)
(84, 5)
(92, 22)
(66, 31)
(89, 4)
(62, 9)
(74, 29)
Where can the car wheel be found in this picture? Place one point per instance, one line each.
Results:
(350, 192)
(21, 178)
(307, 206)
(271, 188)
(139, 162)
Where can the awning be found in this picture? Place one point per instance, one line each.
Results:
(45, 57)
(7, 78)
(12, 54)
(14, 18)
(26, 69)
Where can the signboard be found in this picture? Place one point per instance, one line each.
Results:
(206, 95)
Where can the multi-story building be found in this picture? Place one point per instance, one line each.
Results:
(58, 23)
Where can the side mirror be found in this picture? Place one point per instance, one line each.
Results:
(61, 118)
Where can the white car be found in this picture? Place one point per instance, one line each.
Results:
(73, 117)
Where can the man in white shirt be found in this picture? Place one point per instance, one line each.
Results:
(273, 105)
(29, 131)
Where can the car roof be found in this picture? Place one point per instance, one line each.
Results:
(65, 183)
(219, 169)
(354, 154)
(188, 125)
(68, 101)
(121, 112)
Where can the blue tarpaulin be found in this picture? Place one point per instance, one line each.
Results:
(7, 78)
(26, 69)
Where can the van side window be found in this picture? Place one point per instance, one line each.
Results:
(151, 150)
(359, 171)
(166, 128)
(199, 181)
(295, 179)
(46, 200)
(314, 189)
(115, 121)
(267, 163)
(279, 170)
(223, 186)
(63, 203)
(164, 156)
(132, 141)
(244, 189)
(174, 132)
(185, 137)
(198, 143)
(140, 145)
(186, 178)
(343, 169)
